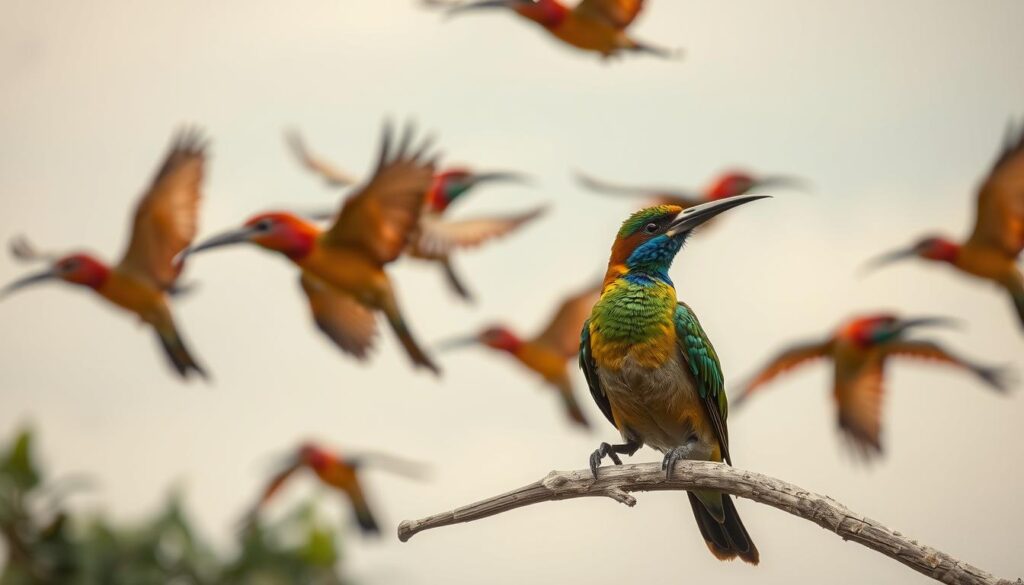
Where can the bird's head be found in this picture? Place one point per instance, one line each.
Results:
(314, 456)
(649, 239)
(278, 231)
(496, 337)
(735, 183)
(454, 183)
(935, 248)
(882, 328)
(81, 269)
(543, 12)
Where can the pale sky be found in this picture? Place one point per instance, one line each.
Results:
(892, 110)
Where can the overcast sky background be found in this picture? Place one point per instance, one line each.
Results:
(893, 110)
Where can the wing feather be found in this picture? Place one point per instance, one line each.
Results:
(438, 237)
(785, 361)
(999, 223)
(562, 332)
(697, 352)
(616, 13)
(347, 322)
(331, 174)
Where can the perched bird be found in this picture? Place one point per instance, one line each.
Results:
(592, 25)
(547, 354)
(859, 349)
(653, 371)
(436, 237)
(343, 267)
(339, 473)
(166, 220)
(991, 252)
(727, 184)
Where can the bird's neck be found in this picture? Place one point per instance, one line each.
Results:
(298, 243)
(547, 13)
(635, 307)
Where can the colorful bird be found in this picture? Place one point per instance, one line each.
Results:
(436, 237)
(166, 220)
(727, 184)
(547, 354)
(592, 25)
(653, 371)
(343, 272)
(991, 252)
(859, 349)
(339, 473)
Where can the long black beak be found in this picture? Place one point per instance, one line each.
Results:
(691, 217)
(48, 274)
(474, 6)
(927, 322)
(233, 237)
(888, 258)
(783, 182)
(457, 343)
(500, 177)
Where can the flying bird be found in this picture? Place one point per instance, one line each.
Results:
(992, 250)
(165, 222)
(342, 268)
(339, 473)
(652, 369)
(592, 25)
(860, 349)
(548, 353)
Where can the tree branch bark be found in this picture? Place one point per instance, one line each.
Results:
(616, 482)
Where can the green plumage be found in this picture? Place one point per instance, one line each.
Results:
(703, 361)
(631, 312)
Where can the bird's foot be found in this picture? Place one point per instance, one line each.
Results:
(605, 450)
(668, 464)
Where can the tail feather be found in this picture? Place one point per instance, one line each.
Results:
(416, 354)
(455, 281)
(177, 353)
(571, 405)
(364, 517)
(1018, 303)
(663, 52)
(726, 540)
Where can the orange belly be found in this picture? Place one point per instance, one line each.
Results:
(547, 362)
(135, 295)
(590, 35)
(986, 263)
(349, 272)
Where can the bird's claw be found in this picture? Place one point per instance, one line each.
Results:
(604, 450)
(668, 464)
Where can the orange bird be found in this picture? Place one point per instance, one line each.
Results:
(436, 237)
(859, 350)
(342, 268)
(549, 353)
(991, 252)
(339, 473)
(592, 25)
(166, 220)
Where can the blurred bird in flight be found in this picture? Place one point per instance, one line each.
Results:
(859, 350)
(339, 473)
(592, 25)
(992, 250)
(547, 354)
(332, 175)
(342, 268)
(653, 371)
(166, 221)
(436, 237)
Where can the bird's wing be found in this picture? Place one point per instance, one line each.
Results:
(616, 13)
(860, 407)
(167, 217)
(562, 332)
(932, 351)
(682, 198)
(1000, 217)
(439, 237)
(699, 354)
(783, 362)
(334, 176)
(380, 218)
(349, 323)
(274, 485)
(589, 368)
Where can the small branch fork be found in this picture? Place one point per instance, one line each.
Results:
(617, 482)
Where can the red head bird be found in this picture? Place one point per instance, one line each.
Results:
(995, 244)
(860, 349)
(165, 222)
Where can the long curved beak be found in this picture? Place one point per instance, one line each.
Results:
(48, 274)
(888, 258)
(782, 181)
(457, 343)
(226, 239)
(691, 217)
(927, 322)
(501, 177)
(474, 6)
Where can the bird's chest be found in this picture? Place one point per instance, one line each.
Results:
(347, 271)
(543, 360)
(986, 263)
(588, 34)
(634, 323)
(132, 294)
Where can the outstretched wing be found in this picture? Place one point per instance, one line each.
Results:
(380, 218)
(346, 321)
(859, 398)
(167, 217)
(439, 237)
(789, 358)
(699, 354)
(994, 377)
(682, 198)
(562, 332)
(1000, 217)
(334, 176)
(589, 367)
(616, 13)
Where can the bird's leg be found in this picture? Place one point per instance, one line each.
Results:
(612, 452)
(692, 449)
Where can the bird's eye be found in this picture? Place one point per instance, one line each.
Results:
(264, 225)
(70, 266)
(651, 228)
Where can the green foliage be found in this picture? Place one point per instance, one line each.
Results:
(45, 543)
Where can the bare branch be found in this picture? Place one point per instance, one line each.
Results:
(617, 482)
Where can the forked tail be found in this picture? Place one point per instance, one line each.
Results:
(726, 538)
(455, 281)
(416, 354)
(177, 353)
(1017, 294)
(364, 517)
(663, 52)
